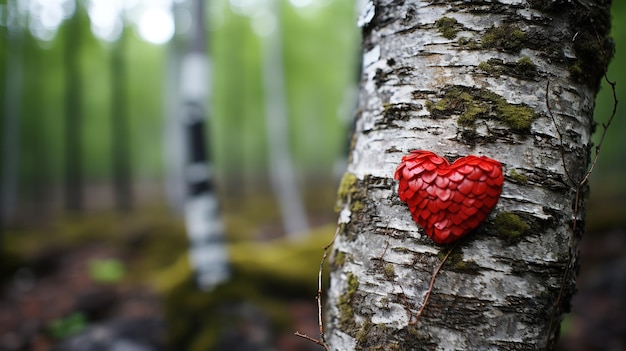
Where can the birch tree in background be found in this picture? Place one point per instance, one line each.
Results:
(173, 129)
(460, 78)
(207, 252)
(282, 175)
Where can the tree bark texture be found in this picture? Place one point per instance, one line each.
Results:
(459, 78)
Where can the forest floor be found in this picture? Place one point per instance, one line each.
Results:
(71, 294)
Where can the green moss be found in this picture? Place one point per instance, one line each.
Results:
(339, 259)
(472, 104)
(473, 110)
(344, 304)
(525, 64)
(347, 186)
(386, 107)
(506, 37)
(390, 347)
(364, 332)
(518, 177)
(389, 270)
(457, 263)
(413, 331)
(524, 68)
(402, 249)
(576, 71)
(429, 105)
(468, 43)
(593, 55)
(448, 27)
(356, 206)
(516, 117)
(510, 225)
(455, 258)
(484, 66)
(493, 66)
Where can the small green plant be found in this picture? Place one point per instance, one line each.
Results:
(72, 324)
(107, 271)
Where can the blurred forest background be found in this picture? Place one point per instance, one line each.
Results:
(92, 223)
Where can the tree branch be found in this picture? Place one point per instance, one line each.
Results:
(578, 185)
(321, 341)
(432, 284)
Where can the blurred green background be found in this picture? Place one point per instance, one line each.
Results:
(145, 245)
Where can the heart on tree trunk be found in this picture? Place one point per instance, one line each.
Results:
(449, 200)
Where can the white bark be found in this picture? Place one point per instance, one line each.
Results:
(208, 254)
(282, 175)
(497, 292)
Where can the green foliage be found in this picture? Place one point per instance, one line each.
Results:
(320, 52)
(72, 324)
(608, 175)
(106, 270)
(265, 275)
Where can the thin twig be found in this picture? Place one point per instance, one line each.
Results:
(432, 283)
(324, 345)
(380, 258)
(578, 185)
(322, 340)
(571, 179)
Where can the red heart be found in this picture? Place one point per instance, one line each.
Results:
(448, 201)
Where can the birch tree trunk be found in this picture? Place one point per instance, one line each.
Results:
(459, 78)
(282, 175)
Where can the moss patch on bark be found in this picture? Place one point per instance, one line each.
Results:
(346, 311)
(473, 104)
(510, 226)
(448, 27)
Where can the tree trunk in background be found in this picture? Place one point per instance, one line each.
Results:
(11, 119)
(208, 253)
(282, 174)
(173, 128)
(457, 80)
(120, 143)
(73, 114)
